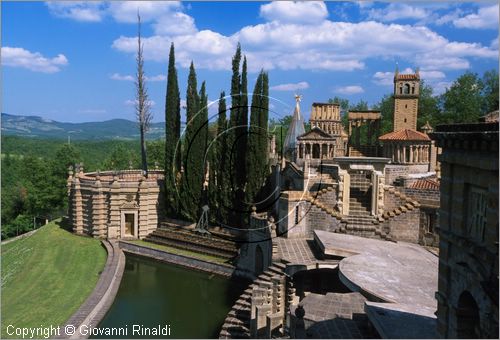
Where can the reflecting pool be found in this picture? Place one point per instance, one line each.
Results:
(152, 293)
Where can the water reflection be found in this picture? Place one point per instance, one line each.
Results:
(152, 293)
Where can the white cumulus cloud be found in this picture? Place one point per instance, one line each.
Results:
(117, 76)
(486, 17)
(294, 11)
(91, 11)
(126, 11)
(351, 89)
(291, 86)
(398, 11)
(34, 61)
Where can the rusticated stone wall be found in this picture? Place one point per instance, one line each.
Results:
(101, 204)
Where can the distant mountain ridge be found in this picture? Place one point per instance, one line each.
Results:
(38, 127)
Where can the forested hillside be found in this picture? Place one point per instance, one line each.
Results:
(34, 173)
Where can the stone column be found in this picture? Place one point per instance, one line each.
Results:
(98, 210)
(143, 227)
(114, 230)
(77, 206)
(404, 154)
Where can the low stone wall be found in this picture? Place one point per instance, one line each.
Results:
(179, 260)
(392, 172)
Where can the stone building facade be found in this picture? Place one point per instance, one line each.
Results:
(115, 205)
(468, 255)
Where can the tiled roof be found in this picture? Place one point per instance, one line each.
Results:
(405, 135)
(407, 76)
(425, 184)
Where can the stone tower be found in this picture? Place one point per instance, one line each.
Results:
(406, 93)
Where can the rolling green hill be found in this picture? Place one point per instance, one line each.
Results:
(38, 127)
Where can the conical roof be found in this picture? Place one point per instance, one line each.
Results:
(296, 128)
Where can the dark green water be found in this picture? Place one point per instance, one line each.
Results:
(153, 293)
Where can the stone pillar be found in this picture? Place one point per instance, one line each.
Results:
(143, 200)
(404, 154)
(98, 210)
(412, 153)
(69, 195)
(77, 206)
(114, 209)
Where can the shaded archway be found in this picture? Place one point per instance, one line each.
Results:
(467, 317)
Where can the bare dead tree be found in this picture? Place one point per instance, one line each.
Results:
(142, 105)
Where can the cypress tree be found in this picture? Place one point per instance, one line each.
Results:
(242, 132)
(219, 180)
(233, 119)
(200, 142)
(190, 193)
(172, 134)
(263, 125)
(254, 141)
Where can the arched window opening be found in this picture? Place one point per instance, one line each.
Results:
(407, 89)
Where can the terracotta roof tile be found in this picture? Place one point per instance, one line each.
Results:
(405, 134)
(425, 184)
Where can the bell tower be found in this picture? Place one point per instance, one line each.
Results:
(406, 93)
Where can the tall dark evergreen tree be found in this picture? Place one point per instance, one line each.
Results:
(233, 118)
(254, 140)
(190, 190)
(200, 142)
(242, 131)
(263, 124)
(219, 176)
(172, 135)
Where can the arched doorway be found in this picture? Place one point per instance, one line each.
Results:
(259, 260)
(468, 326)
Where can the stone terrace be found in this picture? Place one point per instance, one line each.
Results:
(403, 276)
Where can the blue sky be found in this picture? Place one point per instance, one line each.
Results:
(75, 61)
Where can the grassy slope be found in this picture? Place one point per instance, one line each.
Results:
(47, 276)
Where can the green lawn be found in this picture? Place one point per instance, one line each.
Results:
(176, 251)
(47, 276)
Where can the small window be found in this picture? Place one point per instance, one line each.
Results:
(406, 106)
(413, 90)
(407, 88)
(400, 90)
(405, 120)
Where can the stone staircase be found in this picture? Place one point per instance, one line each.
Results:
(360, 221)
(240, 322)
(186, 238)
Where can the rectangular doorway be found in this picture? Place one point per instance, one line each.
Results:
(129, 224)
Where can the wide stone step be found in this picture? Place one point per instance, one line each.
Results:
(189, 246)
